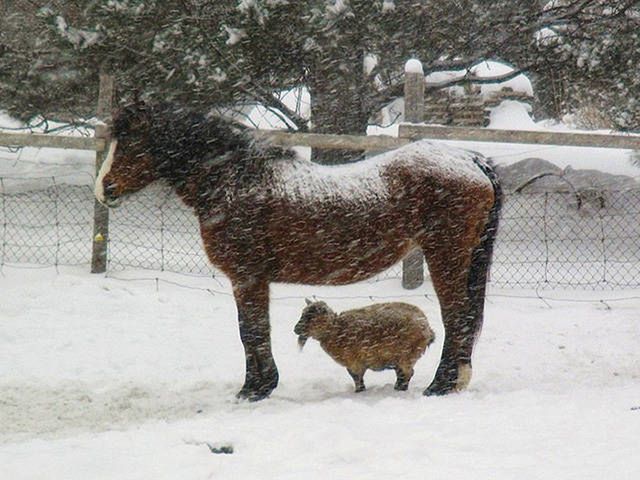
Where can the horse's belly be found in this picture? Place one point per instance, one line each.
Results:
(332, 266)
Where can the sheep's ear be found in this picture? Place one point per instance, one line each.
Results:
(309, 302)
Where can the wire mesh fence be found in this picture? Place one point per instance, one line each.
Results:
(156, 231)
(560, 239)
(44, 223)
(551, 239)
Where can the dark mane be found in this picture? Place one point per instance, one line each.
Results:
(181, 139)
(182, 134)
(198, 132)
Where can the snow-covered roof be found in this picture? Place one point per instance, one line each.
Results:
(485, 69)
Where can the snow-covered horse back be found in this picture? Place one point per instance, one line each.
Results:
(268, 216)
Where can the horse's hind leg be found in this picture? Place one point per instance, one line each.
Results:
(252, 300)
(456, 272)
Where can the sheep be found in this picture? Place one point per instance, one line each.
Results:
(377, 337)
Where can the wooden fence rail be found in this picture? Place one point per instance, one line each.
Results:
(410, 132)
(413, 267)
(39, 140)
(328, 141)
(407, 133)
(475, 134)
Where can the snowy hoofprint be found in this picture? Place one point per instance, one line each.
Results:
(267, 216)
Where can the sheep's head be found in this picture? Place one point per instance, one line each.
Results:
(314, 320)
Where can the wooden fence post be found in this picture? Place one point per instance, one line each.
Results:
(100, 212)
(413, 263)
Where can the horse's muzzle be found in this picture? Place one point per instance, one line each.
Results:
(111, 198)
(108, 196)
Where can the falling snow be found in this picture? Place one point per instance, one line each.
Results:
(134, 375)
(235, 35)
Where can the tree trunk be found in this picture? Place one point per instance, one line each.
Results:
(550, 94)
(337, 106)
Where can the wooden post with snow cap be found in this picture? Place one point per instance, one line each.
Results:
(100, 212)
(413, 263)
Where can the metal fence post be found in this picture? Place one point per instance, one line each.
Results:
(413, 263)
(100, 212)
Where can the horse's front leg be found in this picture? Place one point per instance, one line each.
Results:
(252, 301)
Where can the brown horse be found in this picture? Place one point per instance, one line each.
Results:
(268, 216)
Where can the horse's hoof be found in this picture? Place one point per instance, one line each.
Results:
(440, 387)
(450, 380)
(252, 395)
(255, 392)
(438, 390)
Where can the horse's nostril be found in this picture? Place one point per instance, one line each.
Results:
(110, 190)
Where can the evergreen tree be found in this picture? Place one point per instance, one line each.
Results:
(593, 64)
(348, 53)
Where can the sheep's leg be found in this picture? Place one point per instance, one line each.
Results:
(358, 379)
(403, 376)
(252, 301)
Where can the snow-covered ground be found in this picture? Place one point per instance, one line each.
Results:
(125, 378)
(133, 377)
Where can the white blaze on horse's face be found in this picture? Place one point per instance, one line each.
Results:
(104, 170)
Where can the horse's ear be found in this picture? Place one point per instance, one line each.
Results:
(137, 101)
(309, 302)
(140, 111)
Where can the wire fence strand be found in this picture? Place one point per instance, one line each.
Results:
(545, 239)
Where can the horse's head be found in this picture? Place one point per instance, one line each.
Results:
(129, 164)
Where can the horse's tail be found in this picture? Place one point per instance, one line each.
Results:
(483, 253)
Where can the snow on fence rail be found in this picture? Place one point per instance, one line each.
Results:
(413, 268)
